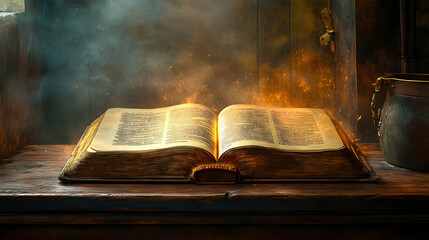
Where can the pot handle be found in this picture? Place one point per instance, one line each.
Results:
(377, 101)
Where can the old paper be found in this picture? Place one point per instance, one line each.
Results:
(289, 129)
(125, 129)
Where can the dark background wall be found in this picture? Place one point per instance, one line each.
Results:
(146, 54)
(142, 54)
(20, 71)
(422, 36)
(74, 59)
(378, 51)
(377, 54)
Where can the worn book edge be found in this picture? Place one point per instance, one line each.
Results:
(82, 146)
(354, 151)
(231, 174)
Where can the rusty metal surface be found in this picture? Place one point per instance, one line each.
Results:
(404, 121)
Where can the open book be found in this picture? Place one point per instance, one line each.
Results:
(190, 142)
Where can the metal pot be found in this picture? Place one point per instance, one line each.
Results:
(403, 119)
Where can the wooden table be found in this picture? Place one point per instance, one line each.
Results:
(30, 193)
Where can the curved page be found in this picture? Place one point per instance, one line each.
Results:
(289, 129)
(125, 129)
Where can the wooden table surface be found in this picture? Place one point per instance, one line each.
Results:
(31, 193)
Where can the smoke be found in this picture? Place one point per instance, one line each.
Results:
(144, 54)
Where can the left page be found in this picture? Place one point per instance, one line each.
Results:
(125, 129)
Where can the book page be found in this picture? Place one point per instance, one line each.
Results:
(289, 129)
(125, 129)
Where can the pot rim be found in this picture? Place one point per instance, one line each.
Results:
(408, 77)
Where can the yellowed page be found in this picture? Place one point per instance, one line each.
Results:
(124, 129)
(289, 129)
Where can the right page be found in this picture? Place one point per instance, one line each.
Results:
(288, 129)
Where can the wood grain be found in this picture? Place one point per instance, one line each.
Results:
(21, 68)
(377, 53)
(30, 191)
(313, 66)
(422, 36)
(274, 52)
